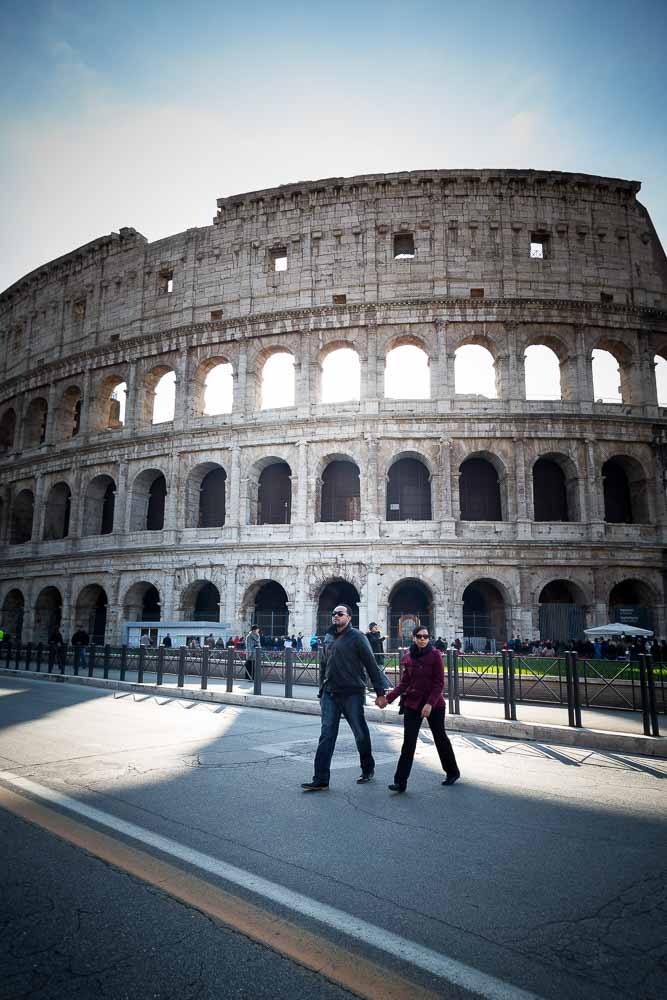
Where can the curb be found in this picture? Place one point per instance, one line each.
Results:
(591, 739)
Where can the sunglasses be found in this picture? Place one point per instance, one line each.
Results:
(422, 636)
(339, 614)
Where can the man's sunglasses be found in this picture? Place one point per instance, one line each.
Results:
(339, 614)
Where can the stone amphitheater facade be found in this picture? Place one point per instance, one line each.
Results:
(436, 259)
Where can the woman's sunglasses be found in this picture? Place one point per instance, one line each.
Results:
(422, 636)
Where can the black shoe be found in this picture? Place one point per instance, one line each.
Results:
(313, 786)
(396, 788)
(451, 778)
(365, 778)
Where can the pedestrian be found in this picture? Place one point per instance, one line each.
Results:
(252, 642)
(57, 644)
(420, 688)
(313, 642)
(145, 640)
(347, 658)
(209, 641)
(299, 642)
(166, 642)
(81, 639)
(376, 641)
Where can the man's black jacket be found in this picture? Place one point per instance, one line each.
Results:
(346, 656)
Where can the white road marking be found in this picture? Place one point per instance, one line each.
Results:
(424, 958)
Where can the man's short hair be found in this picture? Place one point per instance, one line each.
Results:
(348, 609)
(372, 624)
(253, 628)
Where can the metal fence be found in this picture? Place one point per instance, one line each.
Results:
(568, 680)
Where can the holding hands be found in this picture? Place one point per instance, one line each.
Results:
(381, 701)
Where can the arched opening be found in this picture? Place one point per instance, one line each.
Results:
(219, 389)
(148, 501)
(116, 405)
(98, 506)
(484, 615)
(7, 429)
(205, 496)
(561, 611)
(57, 513)
(475, 372)
(12, 614)
(201, 602)
(661, 379)
(542, 372)
(274, 494)
(333, 593)
(48, 613)
(410, 604)
(606, 377)
(271, 611)
(407, 373)
(142, 603)
(35, 423)
(550, 491)
(625, 491)
(479, 491)
(164, 396)
(91, 613)
(70, 412)
(631, 603)
(20, 525)
(341, 376)
(408, 491)
(341, 492)
(278, 384)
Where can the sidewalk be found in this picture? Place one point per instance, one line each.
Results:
(603, 729)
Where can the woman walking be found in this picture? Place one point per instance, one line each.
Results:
(421, 688)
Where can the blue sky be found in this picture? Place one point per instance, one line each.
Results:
(141, 114)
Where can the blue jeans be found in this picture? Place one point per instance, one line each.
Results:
(351, 706)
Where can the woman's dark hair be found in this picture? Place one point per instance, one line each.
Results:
(420, 628)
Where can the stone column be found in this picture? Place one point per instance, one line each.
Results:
(300, 485)
(182, 391)
(370, 389)
(86, 404)
(370, 511)
(595, 485)
(132, 400)
(235, 490)
(173, 491)
(167, 610)
(440, 388)
(122, 506)
(51, 431)
(68, 609)
(456, 475)
(584, 369)
(39, 510)
(231, 603)
(370, 598)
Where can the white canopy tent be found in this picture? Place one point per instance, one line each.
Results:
(616, 628)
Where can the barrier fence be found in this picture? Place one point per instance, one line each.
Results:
(568, 680)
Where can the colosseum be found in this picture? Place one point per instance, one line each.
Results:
(173, 446)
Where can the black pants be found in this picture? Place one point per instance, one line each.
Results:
(250, 668)
(412, 721)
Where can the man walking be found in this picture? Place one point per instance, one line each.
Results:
(376, 641)
(346, 658)
(252, 643)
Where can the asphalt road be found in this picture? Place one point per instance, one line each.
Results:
(543, 870)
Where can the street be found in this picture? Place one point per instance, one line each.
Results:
(193, 865)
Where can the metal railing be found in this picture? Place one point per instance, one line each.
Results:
(568, 680)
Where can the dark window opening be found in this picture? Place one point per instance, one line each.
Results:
(271, 612)
(57, 515)
(20, 529)
(340, 300)
(108, 506)
(274, 494)
(336, 592)
(156, 500)
(79, 311)
(216, 314)
(549, 491)
(539, 246)
(617, 497)
(410, 604)
(341, 494)
(150, 605)
(7, 430)
(212, 500)
(166, 282)
(404, 246)
(408, 491)
(76, 417)
(483, 614)
(606, 297)
(476, 293)
(479, 491)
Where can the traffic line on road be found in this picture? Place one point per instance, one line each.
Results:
(362, 977)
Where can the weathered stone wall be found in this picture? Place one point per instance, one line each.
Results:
(108, 313)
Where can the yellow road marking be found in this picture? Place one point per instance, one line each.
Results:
(362, 977)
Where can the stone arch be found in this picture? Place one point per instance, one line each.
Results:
(660, 371)
(410, 603)
(408, 491)
(107, 409)
(270, 491)
(34, 425)
(409, 353)
(7, 429)
(340, 492)
(142, 603)
(13, 609)
(633, 602)
(625, 489)
(475, 368)
(158, 395)
(275, 388)
(336, 590)
(332, 388)
(58, 511)
(483, 488)
(91, 612)
(555, 488)
(542, 372)
(147, 501)
(624, 358)
(562, 606)
(99, 506)
(219, 368)
(48, 613)
(485, 612)
(21, 517)
(68, 419)
(205, 496)
(200, 602)
(265, 603)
